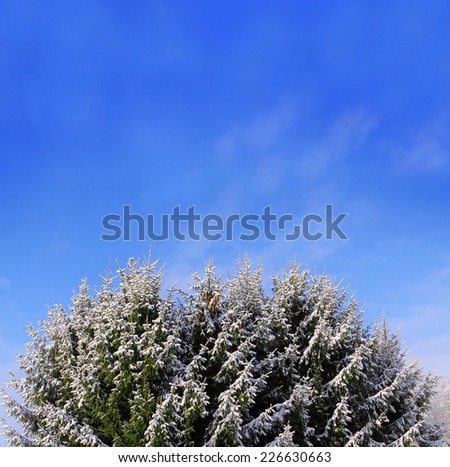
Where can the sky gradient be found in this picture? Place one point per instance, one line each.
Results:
(228, 107)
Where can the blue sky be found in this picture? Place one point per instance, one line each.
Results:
(228, 107)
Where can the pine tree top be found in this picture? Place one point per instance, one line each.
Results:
(221, 364)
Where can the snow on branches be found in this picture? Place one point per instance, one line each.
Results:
(223, 364)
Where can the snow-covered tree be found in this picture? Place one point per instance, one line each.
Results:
(223, 364)
(440, 407)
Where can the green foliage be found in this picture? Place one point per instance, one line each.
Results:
(224, 364)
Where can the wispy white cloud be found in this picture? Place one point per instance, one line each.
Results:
(347, 134)
(267, 127)
(262, 131)
(429, 150)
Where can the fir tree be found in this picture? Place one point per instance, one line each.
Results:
(224, 364)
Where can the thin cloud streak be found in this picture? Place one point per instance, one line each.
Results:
(346, 135)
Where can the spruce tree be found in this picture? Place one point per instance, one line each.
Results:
(223, 364)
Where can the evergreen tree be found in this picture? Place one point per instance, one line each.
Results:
(224, 364)
(440, 407)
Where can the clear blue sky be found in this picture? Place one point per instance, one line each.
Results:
(230, 107)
